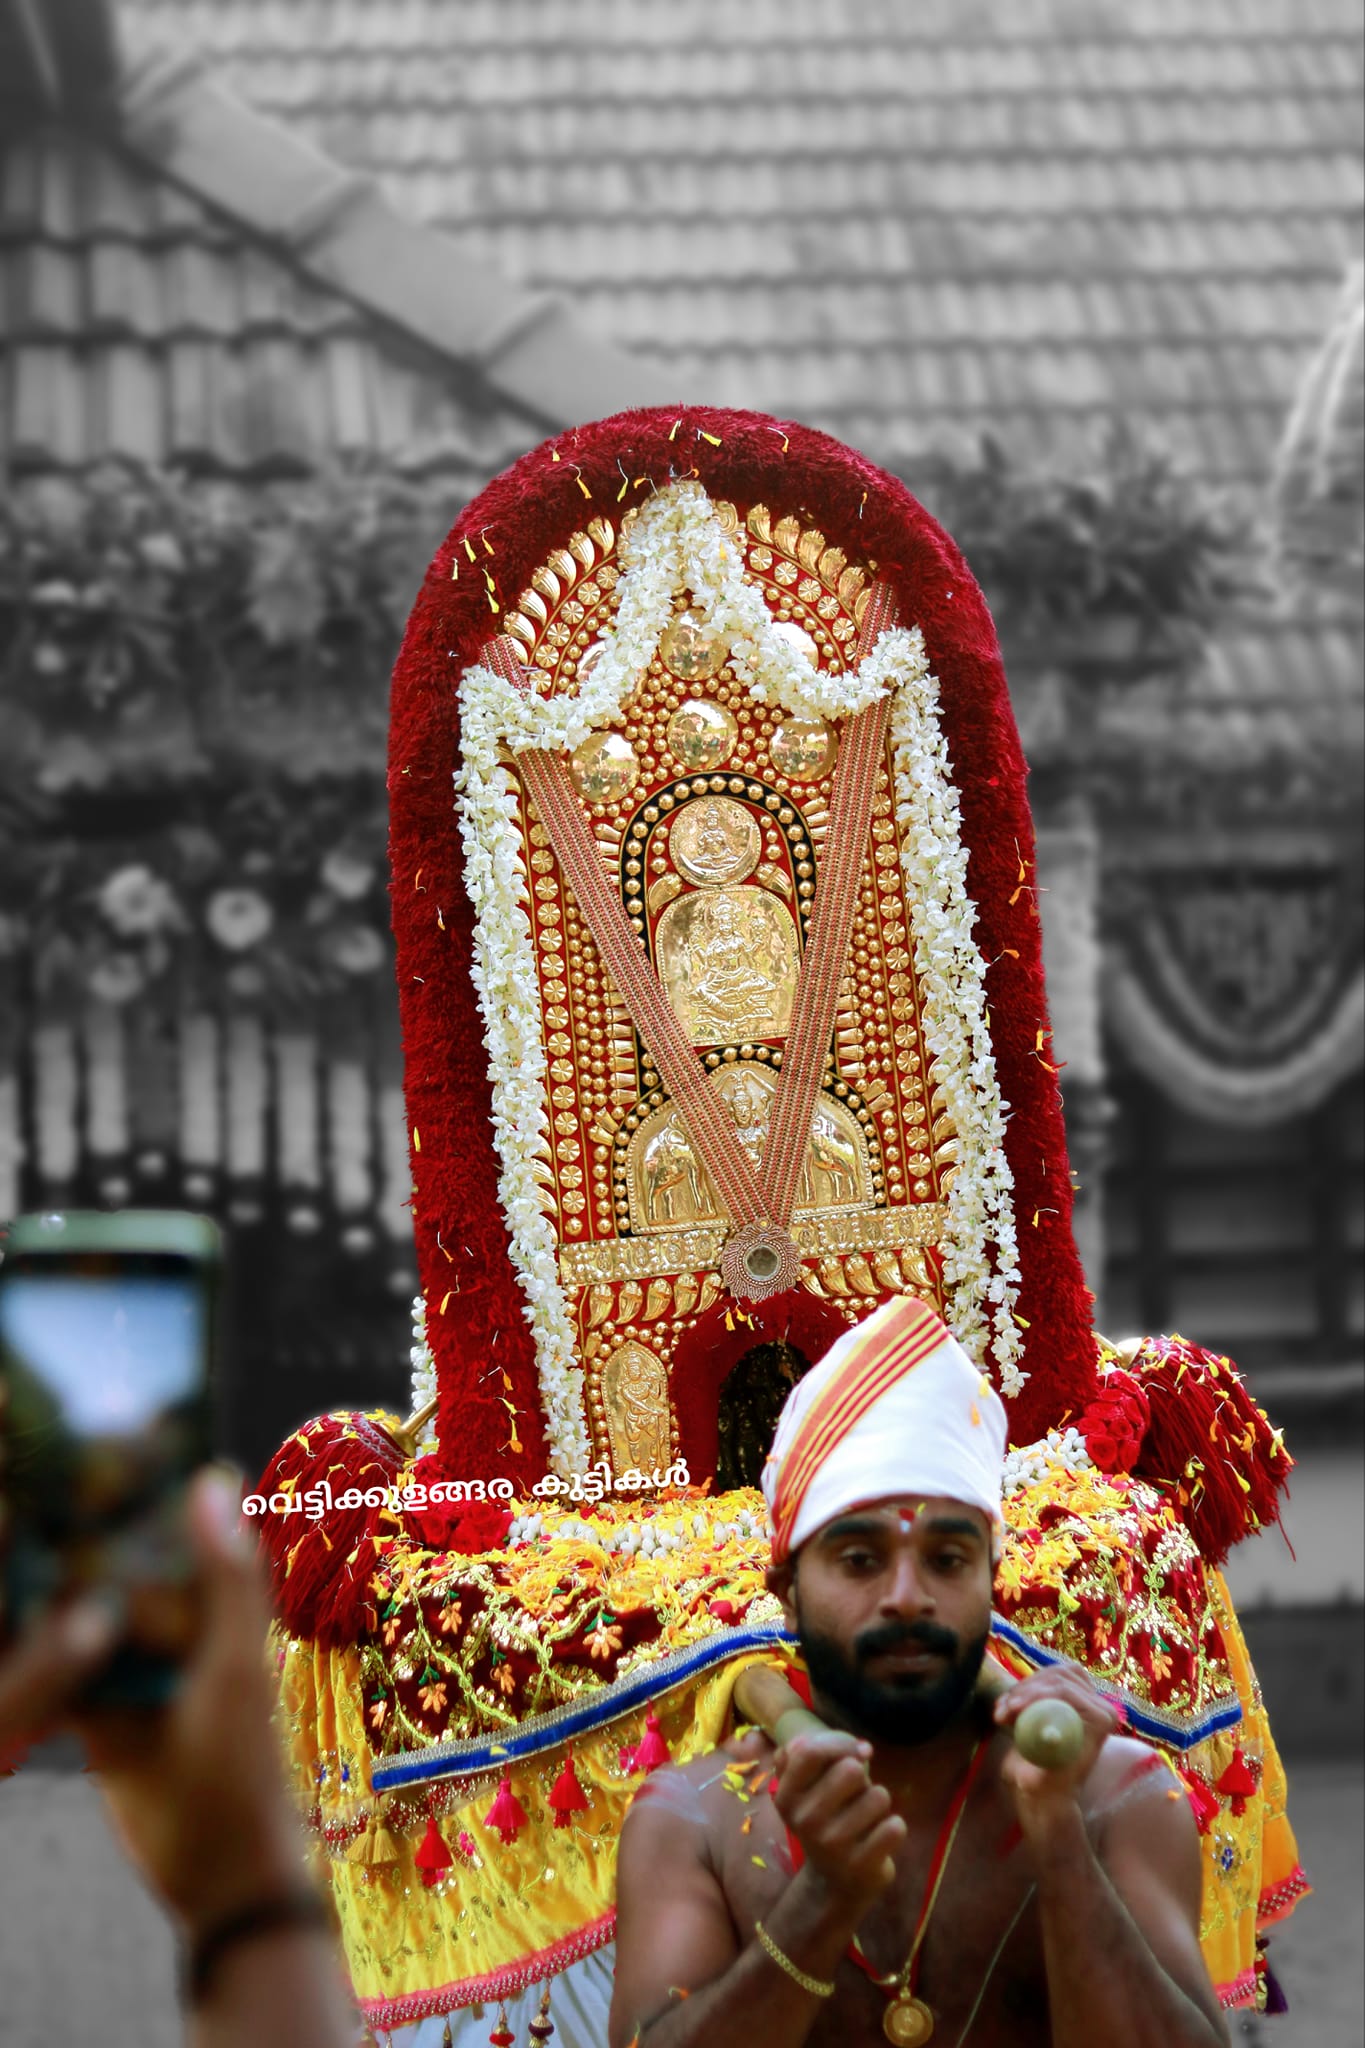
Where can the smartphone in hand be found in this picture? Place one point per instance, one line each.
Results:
(107, 1329)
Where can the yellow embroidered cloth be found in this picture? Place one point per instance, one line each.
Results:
(1095, 1568)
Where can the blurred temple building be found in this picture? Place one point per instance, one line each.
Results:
(283, 282)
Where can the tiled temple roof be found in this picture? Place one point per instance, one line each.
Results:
(141, 326)
(184, 280)
(905, 222)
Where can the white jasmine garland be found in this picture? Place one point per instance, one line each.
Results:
(508, 991)
(672, 1526)
(981, 1263)
(423, 1372)
(1061, 1450)
(677, 543)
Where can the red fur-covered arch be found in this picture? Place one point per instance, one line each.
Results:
(489, 1413)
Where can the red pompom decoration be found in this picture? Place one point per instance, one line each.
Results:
(468, 1526)
(321, 1555)
(506, 1816)
(1238, 1782)
(1115, 1422)
(567, 1796)
(433, 1858)
(1203, 1804)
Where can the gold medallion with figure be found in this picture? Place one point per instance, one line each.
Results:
(715, 842)
(908, 2021)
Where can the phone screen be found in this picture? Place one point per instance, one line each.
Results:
(104, 1359)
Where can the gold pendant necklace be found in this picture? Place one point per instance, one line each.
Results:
(907, 2020)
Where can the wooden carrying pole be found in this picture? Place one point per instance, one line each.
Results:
(1049, 1733)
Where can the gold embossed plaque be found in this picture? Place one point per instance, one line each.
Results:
(635, 1396)
(668, 1185)
(709, 813)
(728, 959)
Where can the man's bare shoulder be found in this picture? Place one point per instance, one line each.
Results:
(1125, 1764)
(1134, 1797)
(708, 1793)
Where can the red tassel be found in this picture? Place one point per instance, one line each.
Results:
(502, 2035)
(433, 1858)
(651, 1750)
(1203, 1804)
(506, 1816)
(1238, 1782)
(1208, 1439)
(567, 1796)
(321, 1565)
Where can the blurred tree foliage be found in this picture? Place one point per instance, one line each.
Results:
(194, 687)
(1121, 570)
(194, 681)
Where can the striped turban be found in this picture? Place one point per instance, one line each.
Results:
(894, 1407)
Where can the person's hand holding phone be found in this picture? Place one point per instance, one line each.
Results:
(43, 1673)
(196, 1790)
(195, 1786)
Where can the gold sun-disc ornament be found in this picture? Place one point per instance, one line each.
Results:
(604, 767)
(701, 735)
(908, 2021)
(693, 650)
(805, 749)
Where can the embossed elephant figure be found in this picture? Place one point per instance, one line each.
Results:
(674, 1189)
(830, 1174)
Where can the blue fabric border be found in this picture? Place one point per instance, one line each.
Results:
(467, 1758)
(1175, 1733)
(474, 1756)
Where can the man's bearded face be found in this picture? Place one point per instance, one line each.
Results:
(892, 1608)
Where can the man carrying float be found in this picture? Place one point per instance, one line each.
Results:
(906, 1872)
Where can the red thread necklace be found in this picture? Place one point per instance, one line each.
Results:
(908, 2020)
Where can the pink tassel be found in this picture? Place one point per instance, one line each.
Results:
(1202, 1802)
(651, 1750)
(506, 1816)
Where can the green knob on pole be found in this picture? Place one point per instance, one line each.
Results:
(1050, 1734)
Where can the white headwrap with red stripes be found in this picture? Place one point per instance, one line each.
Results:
(894, 1407)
